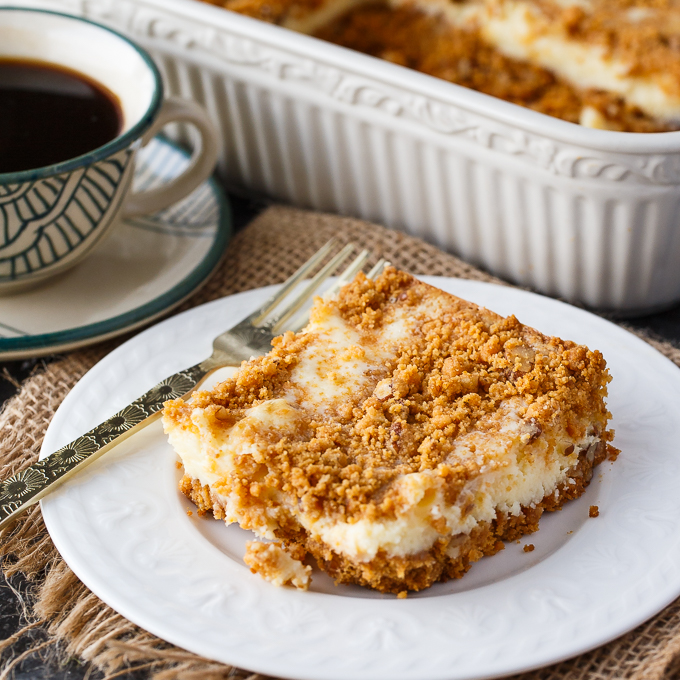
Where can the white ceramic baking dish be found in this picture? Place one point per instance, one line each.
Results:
(589, 215)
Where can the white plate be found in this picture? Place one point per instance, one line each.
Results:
(123, 528)
(147, 266)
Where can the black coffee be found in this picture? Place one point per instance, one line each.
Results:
(49, 114)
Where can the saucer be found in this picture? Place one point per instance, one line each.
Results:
(147, 266)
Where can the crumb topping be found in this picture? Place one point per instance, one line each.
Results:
(644, 33)
(442, 379)
(277, 565)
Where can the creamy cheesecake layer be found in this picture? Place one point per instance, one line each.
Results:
(509, 479)
(522, 31)
(401, 422)
(509, 474)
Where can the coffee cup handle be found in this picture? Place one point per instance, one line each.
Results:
(202, 162)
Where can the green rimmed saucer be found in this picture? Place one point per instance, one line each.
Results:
(147, 266)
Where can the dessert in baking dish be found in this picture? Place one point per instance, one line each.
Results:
(401, 436)
(612, 64)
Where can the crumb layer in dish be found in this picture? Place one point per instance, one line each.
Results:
(612, 64)
(401, 436)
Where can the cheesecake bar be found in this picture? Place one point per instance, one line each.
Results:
(401, 436)
(610, 64)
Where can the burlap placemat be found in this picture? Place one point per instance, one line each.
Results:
(80, 625)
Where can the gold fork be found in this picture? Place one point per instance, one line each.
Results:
(248, 338)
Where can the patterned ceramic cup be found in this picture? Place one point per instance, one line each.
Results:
(52, 217)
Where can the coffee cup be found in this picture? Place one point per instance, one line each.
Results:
(52, 216)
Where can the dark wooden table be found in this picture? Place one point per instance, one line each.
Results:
(665, 326)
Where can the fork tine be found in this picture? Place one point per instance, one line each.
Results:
(378, 269)
(257, 317)
(277, 322)
(349, 273)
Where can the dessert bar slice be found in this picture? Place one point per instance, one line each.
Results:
(402, 435)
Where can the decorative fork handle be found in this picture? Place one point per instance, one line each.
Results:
(19, 492)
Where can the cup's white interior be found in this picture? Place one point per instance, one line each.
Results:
(83, 47)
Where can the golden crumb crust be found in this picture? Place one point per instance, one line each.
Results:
(451, 557)
(278, 565)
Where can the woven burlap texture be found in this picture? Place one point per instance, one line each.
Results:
(81, 625)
